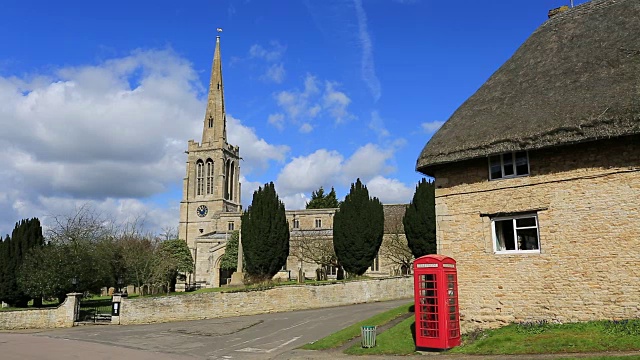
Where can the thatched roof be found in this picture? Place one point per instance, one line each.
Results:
(576, 79)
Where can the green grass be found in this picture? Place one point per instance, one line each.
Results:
(396, 341)
(527, 338)
(543, 337)
(343, 336)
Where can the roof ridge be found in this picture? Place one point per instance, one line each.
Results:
(581, 10)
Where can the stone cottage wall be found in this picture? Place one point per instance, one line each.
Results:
(587, 198)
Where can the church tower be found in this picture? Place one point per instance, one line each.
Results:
(211, 187)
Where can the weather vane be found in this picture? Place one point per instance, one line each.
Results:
(219, 30)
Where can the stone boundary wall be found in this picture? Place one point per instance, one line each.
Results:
(62, 316)
(278, 299)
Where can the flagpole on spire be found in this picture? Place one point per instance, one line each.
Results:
(219, 30)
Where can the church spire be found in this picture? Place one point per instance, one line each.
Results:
(215, 128)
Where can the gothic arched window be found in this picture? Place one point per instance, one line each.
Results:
(199, 177)
(232, 176)
(209, 176)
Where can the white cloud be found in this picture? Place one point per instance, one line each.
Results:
(256, 152)
(275, 73)
(367, 162)
(389, 191)
(306, 173)
(326, 168)
(247, 189)
(273, 52)
(110, 135)
(377, 124)
(295, 202)
(276, 120)
(431, 126)
(306, 128)
(367, 64)
(314, 101)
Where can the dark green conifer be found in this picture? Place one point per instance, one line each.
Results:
(358, 228)
(420, 220)
(265, 234)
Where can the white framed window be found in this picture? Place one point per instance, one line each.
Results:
(296, 223)
(318, 223)
(508, 165)
(331, 270)
(516, 234)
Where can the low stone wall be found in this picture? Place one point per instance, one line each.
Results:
(59, 317)
(278, 299)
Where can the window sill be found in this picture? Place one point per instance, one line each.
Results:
(519, 252)
(510, 177)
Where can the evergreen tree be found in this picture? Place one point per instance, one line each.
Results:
(229, 260)
(420, 220)
(4, 265)
(265, 234)
(358, 227)
(320, 200)
(26, 235)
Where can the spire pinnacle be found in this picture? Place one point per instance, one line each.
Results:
(215, 129)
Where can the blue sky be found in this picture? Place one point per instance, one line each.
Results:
(100, 99)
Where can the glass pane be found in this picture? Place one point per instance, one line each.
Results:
(504, 235)
(524, 222)
(528, 239)
(495, 167)
(522, 166)
(507, 160)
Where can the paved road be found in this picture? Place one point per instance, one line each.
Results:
(265, 336)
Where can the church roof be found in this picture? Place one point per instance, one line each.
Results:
(575, 79)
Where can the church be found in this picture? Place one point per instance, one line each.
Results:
(211, 208)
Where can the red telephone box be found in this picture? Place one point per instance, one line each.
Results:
(436, 302)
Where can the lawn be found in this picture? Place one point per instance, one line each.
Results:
(526, 338)
(343, 336)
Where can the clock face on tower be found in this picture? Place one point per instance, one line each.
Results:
(202, 210)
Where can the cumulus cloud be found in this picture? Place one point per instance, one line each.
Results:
(389, 191)
(431, 126)
(276, 120)
(316, 99)
(327, 168)
(111, 135)
(256, 152)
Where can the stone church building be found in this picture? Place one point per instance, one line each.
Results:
(211, 208)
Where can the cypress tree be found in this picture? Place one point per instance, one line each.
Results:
(4, 266)
(420, 220)
(358, 227)
(265, 234)
(26, 235)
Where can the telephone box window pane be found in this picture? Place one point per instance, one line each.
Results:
(522, 165)
(528, 239)
(504, 235)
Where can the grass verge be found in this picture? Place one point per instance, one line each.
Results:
(526, 338)
(543, 337)
(343, 336)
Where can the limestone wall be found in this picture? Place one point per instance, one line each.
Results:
(278, 299)
(587, 198)
(62, 316)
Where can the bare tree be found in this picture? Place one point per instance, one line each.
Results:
(395, 249)
(315, 247)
